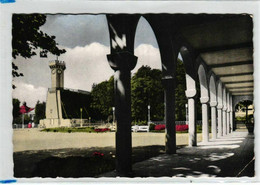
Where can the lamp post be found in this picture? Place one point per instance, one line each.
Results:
(113, 108)
(187, 117)
(149, 116)
(81, 124)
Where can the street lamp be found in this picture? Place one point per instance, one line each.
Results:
(113, 108)
(81, 124)
(149, 116)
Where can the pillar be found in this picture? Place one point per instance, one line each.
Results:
(205, 119)
(220, 119)
(224, 112)
(191, 94)
(123, 63)
(170, 130)
(213, 119)
(231, 114)
(228, 113)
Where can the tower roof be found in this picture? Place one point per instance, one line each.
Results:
(57, 64)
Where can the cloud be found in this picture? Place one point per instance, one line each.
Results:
(77, 30)
(29, 93)
(84, 66)
(147, 55)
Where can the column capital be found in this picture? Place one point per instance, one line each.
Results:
(213, 103)
(122, 61)
(191, 93)
(204, 100)
(224, 109)
(220, 106)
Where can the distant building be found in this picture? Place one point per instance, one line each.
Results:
(64, 107)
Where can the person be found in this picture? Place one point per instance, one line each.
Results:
(33, 125)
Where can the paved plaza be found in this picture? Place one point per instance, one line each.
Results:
(229, 156)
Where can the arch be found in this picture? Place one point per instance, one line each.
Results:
(213, 91)
(190, 74)
(237, 99)
(203, 84)
(141, 49)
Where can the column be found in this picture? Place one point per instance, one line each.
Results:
(123, 63)
(191, 94)
(205, 119)
(224, 112)
(228, 113)
(231, 114)
(213, 119)
(220, 124)
(170, 130)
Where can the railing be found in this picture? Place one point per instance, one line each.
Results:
(20, 126)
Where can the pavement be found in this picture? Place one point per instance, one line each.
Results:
(228, 156)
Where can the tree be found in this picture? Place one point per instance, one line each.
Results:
(39, 111)
(180, 97)
(102, 99)
(16, 108)
(27, 37)
(147, 90)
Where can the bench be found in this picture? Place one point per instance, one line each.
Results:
(141, 128)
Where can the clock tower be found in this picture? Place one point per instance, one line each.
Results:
(57, 73)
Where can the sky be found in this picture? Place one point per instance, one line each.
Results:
(86, 40)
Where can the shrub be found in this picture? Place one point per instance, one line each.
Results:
(152, 126)
(159, 127)
(182, 127)
(102, 129)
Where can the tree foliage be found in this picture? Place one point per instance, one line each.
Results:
(27, 37)
(102, 99)
(39, 111)
(180, 97)
(16, 108)
(147, 90)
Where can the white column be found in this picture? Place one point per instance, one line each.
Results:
(224, 111)
(228, 113)
(205, 119)
(231, 114)
(213, 120)
(192, 122)
(191, 94)
(220, 121)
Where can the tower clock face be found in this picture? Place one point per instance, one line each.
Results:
(59, 71)
(53, 71)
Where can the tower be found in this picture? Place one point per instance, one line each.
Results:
(57, 73)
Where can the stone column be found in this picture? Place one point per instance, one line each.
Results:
(224, 111)
(191, 94)
(123, 63)
(213, 119)
(170, 131)
(205, 119)
(220, 124)
(231, 114)
(228, 113)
